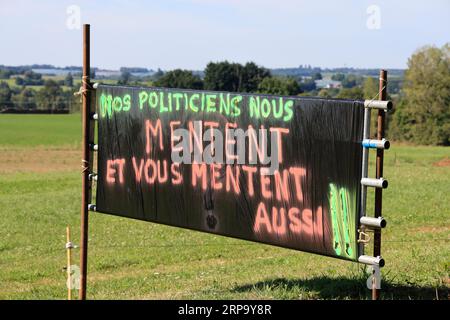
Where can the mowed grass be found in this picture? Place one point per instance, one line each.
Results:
(30, 130)
(140, 260)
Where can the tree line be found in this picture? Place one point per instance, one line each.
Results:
(222, 76)
(50, 96)
(421, 98)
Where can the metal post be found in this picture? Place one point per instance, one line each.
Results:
(86, 165)
(379, 174)
(365, 166)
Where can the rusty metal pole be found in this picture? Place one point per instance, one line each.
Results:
(86, 111)
(379, 173)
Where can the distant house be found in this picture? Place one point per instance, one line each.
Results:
(328, 84)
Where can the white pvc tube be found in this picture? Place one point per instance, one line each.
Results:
(378, 261)
(376, 183)
(378, 104)
(376, 144)
(379, 222)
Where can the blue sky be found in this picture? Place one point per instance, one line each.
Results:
(189, 33)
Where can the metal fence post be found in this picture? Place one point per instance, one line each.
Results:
(379, 174)
(86, 163)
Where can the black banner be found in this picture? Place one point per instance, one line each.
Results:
(279, 170)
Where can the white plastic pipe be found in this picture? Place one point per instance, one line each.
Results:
(379, 222)
(376, 144)
(378, 261)
(376, 183)
(378, 104)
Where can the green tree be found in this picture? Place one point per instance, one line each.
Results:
(223, 76)
(328, 93)
(351, 93)
(338, 77)
(370, 88)
(51, 97)
(68, 81)
(5, 95)
(279, 86)
(125, 78)
(25, 99)
(307, 85)
(251, 77)
(317, 76)
(158, 74)
(19, 81)
(349, 81)
(178, 78)
(30, 78)
(5, 74)
(30, 75)
(424, 115)
(234, 77)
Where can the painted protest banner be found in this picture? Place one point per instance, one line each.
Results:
(279, 170)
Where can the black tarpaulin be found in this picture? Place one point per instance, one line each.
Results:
(310, 203)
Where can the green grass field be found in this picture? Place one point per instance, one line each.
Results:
(40, 186)
(29, 130)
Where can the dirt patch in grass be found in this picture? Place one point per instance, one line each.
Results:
(442, 163)
(39, 160)
(432, 229)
